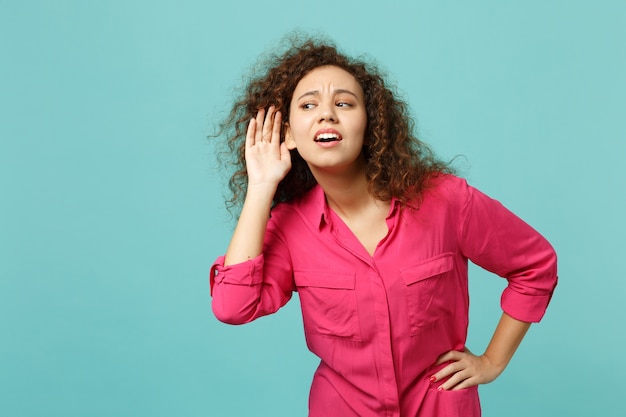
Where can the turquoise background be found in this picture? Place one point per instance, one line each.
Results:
(111, 209)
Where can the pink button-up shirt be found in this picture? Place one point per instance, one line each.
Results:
(378, 323)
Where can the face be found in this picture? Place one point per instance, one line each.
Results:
(327, 120)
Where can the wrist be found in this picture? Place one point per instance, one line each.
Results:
(261, 191)
(496, 364)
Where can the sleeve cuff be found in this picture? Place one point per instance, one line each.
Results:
(524, 307)
(244, 273)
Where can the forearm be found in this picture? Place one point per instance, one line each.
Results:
(267, 163)
(247, 240)
(505, 341)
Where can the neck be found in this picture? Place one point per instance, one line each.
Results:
(347, 191)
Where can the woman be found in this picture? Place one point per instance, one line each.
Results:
(344, 205)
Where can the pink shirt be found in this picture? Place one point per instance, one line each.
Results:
(378, 323)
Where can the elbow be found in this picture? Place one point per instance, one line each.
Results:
(230, 314)
(549, 273)
(554, 268)
(227, 318)
(545, 265)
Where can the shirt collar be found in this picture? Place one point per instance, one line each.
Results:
(315, 207)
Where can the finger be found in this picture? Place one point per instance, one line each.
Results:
(250, 133)
(277, 126)
(466, 383)
(453, 355)
(457, 361)
(447, 371)
(260, 116)
(284, 153)
(455, 381)
(267, 125)
(465, 380)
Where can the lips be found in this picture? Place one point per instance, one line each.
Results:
(327, 135)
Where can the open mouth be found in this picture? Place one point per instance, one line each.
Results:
(327, 137)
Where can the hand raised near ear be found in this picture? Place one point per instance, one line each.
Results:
(267, 160)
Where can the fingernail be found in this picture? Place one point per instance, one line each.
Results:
(433, 378)
(440, 388)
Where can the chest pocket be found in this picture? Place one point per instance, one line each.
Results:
(426, 291)
(328, 302)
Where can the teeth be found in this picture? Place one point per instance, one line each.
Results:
(327, 136)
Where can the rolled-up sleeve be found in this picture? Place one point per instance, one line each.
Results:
(497, 240)
(260, 286)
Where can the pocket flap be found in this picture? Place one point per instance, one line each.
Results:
(325, 279)
(428, 268)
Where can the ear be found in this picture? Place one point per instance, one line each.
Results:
(291, 144)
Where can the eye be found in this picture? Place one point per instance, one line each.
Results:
(307, 106)
(343, 104)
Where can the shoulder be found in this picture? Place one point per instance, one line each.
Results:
(443, 189)
(308, 209)
(448, 183)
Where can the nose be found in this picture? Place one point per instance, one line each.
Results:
(327, 113)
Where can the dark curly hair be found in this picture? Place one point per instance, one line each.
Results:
(398, 164)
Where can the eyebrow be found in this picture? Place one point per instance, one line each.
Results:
(338, 91)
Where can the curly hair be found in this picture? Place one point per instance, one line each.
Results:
(397, 163)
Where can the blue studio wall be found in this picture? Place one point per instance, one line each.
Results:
(111, 206)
